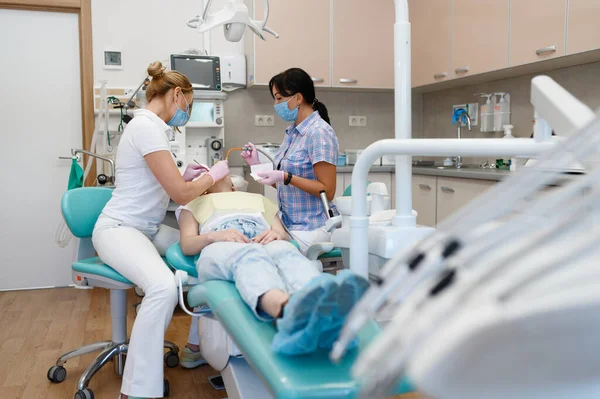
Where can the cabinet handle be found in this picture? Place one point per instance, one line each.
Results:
(544, 50)
(343, 80)
(317, 80)
(447, 189)
(462, 69)
(440, 75)
(424, 186)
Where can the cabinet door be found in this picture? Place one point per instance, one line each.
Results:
(424, 199)
(537, 30)
(583, 31)
(304, 40)
(479, 36)
(454, 193)
(362, 43)
(430, 40)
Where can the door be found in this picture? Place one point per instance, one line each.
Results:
(304, 40)
(537, 30)
(431, 40)
(583, 31)
(363, 43)
(479, 36)
(40, 110)
(453, 194)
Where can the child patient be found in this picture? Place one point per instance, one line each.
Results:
(241, 239)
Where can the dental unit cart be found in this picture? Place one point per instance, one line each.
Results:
(202, 139)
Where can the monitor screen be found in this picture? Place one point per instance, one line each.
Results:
(202, 71)
(203, 112)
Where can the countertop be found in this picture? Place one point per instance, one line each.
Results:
(466, 172)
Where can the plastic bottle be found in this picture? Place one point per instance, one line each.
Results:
(508, 135)
(501, 112)
(487, 114)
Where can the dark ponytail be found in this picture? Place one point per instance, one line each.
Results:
(296, 80)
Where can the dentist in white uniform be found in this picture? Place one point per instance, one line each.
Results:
(129, 236)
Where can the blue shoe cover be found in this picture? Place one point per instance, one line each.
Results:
(299, 330)
(304, 303)
(351, 288)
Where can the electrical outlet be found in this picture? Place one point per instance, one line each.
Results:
(128, 92)
(264, 120)
(472, 110)
(357, 120)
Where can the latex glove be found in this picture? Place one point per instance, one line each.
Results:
(271, 177)
(268, 236)
(219, 171)
(194, 170)
(250, 157)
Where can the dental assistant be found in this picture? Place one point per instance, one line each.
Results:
(129, 235)
(306, 162)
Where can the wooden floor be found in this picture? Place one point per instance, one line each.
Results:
(38, 326)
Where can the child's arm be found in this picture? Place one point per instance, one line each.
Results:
(276, 232)
(192, 243)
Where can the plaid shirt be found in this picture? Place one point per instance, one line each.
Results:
(312, 141)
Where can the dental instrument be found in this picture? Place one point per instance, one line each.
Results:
(234, 18)
(574, 212)
(490, 204)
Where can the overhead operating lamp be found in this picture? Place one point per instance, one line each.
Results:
(234, 18)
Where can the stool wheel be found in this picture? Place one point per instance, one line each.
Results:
(166, 388)
(171, 359)
(136, 308)
(57, 374)
(85, 394)
(139, 292)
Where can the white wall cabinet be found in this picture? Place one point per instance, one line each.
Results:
(340, 43)
(457, 38)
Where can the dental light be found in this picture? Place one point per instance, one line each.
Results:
(234, 18)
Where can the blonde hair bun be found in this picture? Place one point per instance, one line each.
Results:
(156, 70)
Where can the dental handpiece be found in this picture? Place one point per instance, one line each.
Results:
(325, 202)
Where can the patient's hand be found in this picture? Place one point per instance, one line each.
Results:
(268, 236)
(230, 235)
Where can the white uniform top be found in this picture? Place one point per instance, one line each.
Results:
(138, 199)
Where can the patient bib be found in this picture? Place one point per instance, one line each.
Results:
(206, 206)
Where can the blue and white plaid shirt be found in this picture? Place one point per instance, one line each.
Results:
(312, 141)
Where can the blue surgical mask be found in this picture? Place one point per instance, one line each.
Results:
(288, 115)
(181, 117)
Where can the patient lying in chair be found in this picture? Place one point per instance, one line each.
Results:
(241, 239)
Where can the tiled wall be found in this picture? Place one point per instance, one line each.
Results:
(242, 105)
(582, 81)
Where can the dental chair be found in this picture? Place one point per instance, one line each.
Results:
(238, 345)
(81, 208)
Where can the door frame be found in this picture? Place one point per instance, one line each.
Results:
(83, 8)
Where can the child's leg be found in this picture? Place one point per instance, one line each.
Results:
(295, 269)
(251, 269)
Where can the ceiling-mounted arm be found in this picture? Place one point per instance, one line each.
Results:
(234, 17)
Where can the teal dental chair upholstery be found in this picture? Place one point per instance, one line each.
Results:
(283, 377)
(81, 207)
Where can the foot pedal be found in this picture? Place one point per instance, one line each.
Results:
(216, 381)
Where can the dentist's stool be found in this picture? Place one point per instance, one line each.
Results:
(81, 207)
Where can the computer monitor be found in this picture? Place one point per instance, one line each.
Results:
(203, 71)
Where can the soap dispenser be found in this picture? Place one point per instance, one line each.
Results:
(501, 111)
(508, 135)
(487, 114)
